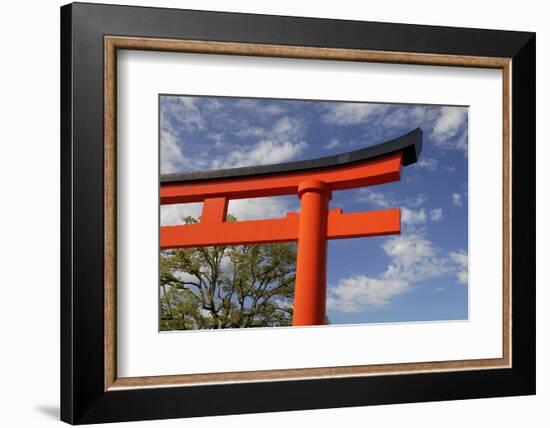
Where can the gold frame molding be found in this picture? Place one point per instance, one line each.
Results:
(113, 43)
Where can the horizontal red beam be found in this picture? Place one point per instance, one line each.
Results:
(357, 225)
(230, 233)
(352, 225)
(377, 171)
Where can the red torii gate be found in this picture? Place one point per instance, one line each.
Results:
(313, 181)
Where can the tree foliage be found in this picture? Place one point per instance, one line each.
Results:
(227, 287)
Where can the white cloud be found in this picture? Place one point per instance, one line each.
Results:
(457, 199)
(260, 208)
(413, 257)
(217, 137)
(175, 214)
(355, 293)
(461, 142)
(171, 156)
(287, 127)
(242, 209)
(417, 201)
(461, 259)
(412, 217)
(272, 109)
(387, 200)
(462, 276)
(181, 116)
(351, 113)
(260, 107)
(377, 199)
(250, 131)
(212, 104)
(413, 260)
(283, 303)
(185, 276)
(448, 125)
(333, 143)
(281, 143)
(264, 152)
(182, 112)
(407, 116)
(423, 114)
(429, 164)
(436, 214)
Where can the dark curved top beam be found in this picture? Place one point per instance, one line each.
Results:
(409, 144)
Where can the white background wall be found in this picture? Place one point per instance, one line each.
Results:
(29, 214)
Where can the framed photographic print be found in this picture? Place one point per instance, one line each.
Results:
(281, 213)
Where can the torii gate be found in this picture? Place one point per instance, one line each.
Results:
(313, 181)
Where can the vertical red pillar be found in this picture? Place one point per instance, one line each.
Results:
(310, 289)
(214, 210)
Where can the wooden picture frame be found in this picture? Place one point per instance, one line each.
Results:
(91, 391)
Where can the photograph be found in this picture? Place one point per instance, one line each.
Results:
(266, 213)
(212, 149)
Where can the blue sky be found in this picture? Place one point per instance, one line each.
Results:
(420, 275)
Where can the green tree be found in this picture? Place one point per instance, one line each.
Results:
(227, 287)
